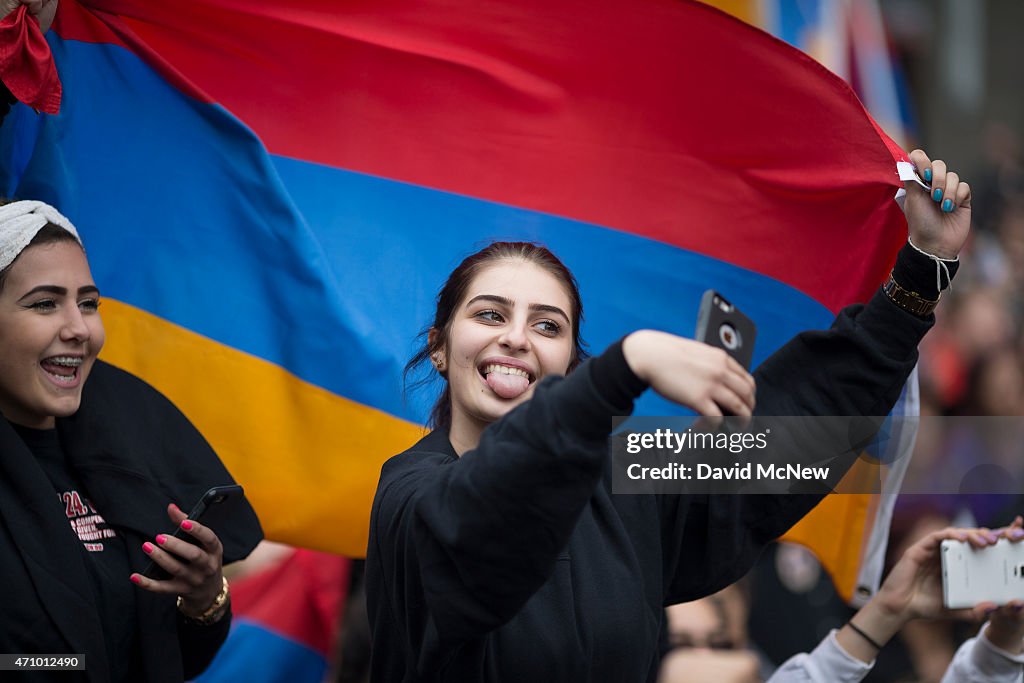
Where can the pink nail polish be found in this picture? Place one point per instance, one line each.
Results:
(135, 578)
(186, 525)
(161, 539)
(147, 547)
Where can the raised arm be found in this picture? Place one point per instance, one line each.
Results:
(859, 366)
(856, 368)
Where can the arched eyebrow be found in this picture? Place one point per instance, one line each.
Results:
(60, 291)
(493, 298)
(545, 308)
(508, 303)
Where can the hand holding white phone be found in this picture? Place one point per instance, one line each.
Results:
(975, 575)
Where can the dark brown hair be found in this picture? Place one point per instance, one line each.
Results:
(454, 291)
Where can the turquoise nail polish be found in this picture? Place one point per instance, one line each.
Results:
(927, 175)
(937, 195)
(947, 205)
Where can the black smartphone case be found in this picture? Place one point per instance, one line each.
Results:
(721, 324)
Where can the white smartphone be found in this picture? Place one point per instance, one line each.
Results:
(974, 575)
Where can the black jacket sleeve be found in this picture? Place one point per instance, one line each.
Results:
(856, 368)
(136, 452)
(199, 644)
(474, 537)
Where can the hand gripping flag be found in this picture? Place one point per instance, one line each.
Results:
(271, 194)
(849, 533)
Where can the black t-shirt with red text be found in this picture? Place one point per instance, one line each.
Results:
(105, 551)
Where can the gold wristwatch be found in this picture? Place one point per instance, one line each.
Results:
(908, 300)
(215, 612)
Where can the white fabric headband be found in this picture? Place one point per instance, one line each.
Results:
(19, 223)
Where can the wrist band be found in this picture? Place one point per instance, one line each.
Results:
(864, 635)
(908, 300)
(940, 265)
(217, 609)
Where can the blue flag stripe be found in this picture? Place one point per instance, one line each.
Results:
(325, 272)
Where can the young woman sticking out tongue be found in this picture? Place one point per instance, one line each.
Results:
(497, 551)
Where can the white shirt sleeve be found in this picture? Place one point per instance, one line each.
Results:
(979, 661)
(827, 663)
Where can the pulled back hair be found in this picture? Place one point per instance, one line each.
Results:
(48, 234)
(454, 292)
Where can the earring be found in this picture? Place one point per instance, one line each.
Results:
(439, 363)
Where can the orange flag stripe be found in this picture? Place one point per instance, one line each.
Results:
(267, 425)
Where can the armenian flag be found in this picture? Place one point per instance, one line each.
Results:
(272, 193)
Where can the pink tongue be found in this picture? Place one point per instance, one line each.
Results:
(55, 369)
(507, 386)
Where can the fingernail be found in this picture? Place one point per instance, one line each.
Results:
(990, 537)
(161, 539)
(990, 610)
(937, 195)
(1016, 533)
(927, 175)
(176, 508)
(947, 205)
(1017, 608)
(135, 578)
(186, 525)
(147, 547)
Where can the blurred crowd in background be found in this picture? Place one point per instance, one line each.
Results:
(972, 362)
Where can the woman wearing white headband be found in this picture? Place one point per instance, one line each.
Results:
(92, 462)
